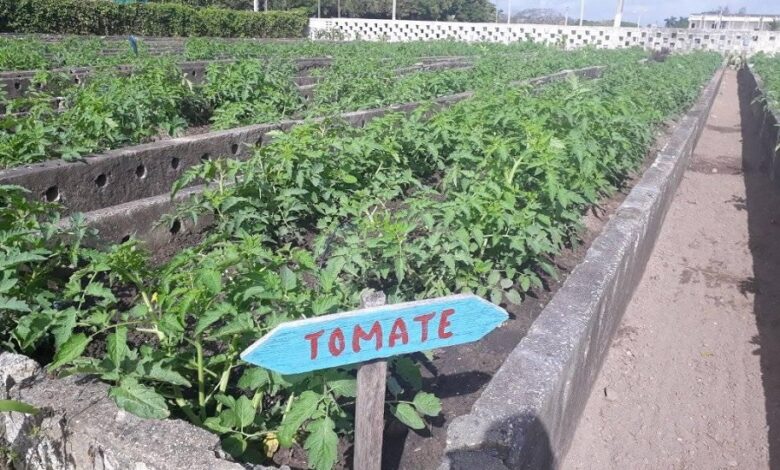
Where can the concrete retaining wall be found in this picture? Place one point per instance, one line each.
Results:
(568, 36)
(527, 415)
(79, 427)
(769, 117)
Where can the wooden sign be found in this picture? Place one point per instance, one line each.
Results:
(374, 332)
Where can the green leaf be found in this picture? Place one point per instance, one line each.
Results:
(235, 445)
(70, 350)
(116, 346)
(408, 415)
(427, 404)
(513, 296)
(302, 409)
(245, 412)
(253, 378)
(496, 296)
(408, 370)
(289, 281)
(139, 399)
(506, 283)
(13, 304)
(95, 289)
(162, 374)
(241, 324)
(214, 424)
(344, 387)
(212, 280)
(322, 443)
(525, 283)
(17, 406)
(19, 258)
(349, 179)
(210, 316)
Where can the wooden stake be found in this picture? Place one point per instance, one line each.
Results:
(370, 405)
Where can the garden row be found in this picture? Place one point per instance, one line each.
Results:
(768, 68)
(762, 79)
(477, 197)
(113, 109)
(32, 53)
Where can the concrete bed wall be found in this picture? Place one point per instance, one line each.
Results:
(527, 414)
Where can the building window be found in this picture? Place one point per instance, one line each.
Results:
(693, 25)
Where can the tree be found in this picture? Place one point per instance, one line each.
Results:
(428, 10)
(675, 22)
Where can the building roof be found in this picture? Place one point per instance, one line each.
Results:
(776, 15)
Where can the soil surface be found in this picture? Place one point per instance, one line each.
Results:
(692, 379)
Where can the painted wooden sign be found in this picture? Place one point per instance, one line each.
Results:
(377, 332)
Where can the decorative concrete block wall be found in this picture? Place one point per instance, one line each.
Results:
(570, 36)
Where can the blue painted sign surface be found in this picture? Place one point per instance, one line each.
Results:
(377, 332)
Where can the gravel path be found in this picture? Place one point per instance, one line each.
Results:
(692, 378)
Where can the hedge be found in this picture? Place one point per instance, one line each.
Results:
(103, 17)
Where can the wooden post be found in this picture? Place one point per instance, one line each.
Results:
(370, 405)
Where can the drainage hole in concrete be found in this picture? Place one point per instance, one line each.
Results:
(52, 194)
(140, 171)
(205, 157)
(259, 142)
(101, 180)
(174, 163)
(17, 85)
(125, 239)
(234, 149)
(175, 227)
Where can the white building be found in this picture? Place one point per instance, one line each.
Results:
(732, 22)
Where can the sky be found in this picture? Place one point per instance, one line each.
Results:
(651, 11)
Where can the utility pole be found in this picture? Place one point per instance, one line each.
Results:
(618, 14)
(257, 5)
(338, 8)
(582, 11)
(566, 17)
(395, 4)
(319, 9)
(265, 6)
(508, 11)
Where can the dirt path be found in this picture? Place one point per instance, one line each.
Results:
(685, 381)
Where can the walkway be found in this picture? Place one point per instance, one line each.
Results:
(698, 350)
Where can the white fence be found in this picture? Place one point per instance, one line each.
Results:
(570, 36)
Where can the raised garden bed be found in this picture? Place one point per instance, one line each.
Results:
(429, 177)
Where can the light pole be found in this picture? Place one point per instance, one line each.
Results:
(394, 6)
(582, 11)
(618, 14)
(319, 9)
(508, 11)
(566, 17)
(257, 5)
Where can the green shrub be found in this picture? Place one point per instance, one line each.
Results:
(152, 19)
